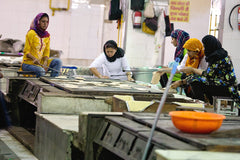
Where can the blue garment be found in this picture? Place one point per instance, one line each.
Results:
(56, 64)
(220, 73)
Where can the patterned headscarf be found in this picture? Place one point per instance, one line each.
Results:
(193, 44)
(35, 25)
(112, 44)
(181, 37)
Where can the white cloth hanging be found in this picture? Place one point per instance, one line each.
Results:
(159, 38)
(160, 33)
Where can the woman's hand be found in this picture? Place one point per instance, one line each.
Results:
(36, 61)
(45, 63)
(97, 74)
(130, 78)
(187, 70)
(163, 70)
(156, 77)
(176, 84)
(45, 67)
(192, 70)
(160, 73)
(103, 77)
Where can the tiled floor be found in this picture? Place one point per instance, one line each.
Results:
(11, 149)
(6, 152)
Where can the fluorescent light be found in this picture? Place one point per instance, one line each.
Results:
(80, 1)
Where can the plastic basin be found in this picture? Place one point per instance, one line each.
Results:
(196, 122)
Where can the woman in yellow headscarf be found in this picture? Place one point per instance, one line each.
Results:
(194, 58)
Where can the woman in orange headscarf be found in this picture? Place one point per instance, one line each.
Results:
(194, 58)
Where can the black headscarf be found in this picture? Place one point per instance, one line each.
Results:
(213, 49)
(112, 44)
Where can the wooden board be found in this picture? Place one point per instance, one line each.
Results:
(99, 86)
(143, 132)
(127, 124)
(211, 142)
(165, 141)
(121, 106)
(12, 149)
(200, 155)
(55, 136)
(136, 116)
(89, 124)
(22, 135)
(203, 141)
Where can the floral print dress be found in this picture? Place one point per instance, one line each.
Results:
(219, 73)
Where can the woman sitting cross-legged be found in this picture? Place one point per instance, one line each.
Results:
(37, 49)
(194, 58)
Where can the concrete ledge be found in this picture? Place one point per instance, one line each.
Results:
(18, 151)
(54, 136)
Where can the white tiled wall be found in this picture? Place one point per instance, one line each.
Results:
(231, 38)
(140, 46)
(86, 32)
(16, 17)
(77, 32)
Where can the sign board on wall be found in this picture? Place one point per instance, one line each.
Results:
(179, 10)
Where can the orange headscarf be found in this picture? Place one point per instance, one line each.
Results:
(193, 44)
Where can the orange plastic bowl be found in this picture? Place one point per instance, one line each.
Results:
(196, 122)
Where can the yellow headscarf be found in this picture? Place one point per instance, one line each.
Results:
(193, 44)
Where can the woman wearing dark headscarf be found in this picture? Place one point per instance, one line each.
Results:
(112, 63)
(37, 49)
(219, 78)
